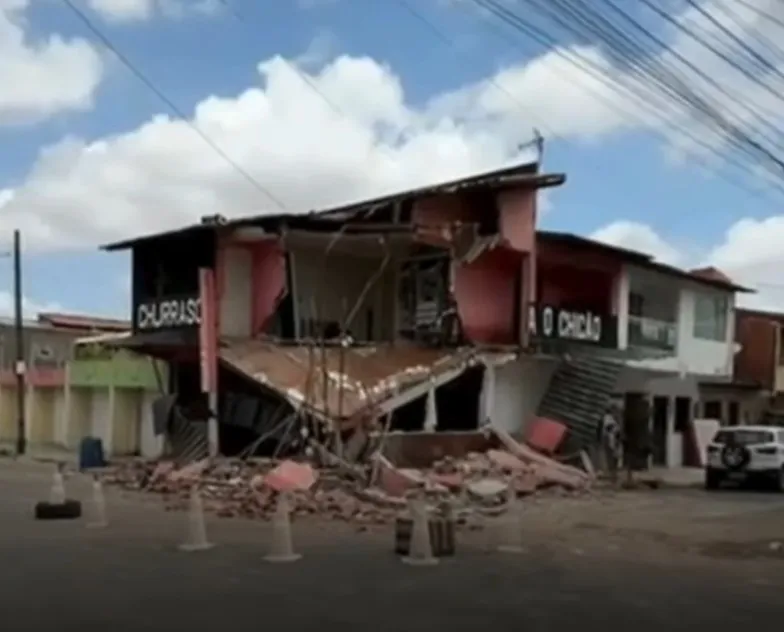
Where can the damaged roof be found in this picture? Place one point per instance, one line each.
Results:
(526, 175)
(367, 376)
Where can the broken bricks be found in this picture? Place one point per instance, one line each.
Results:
(475, 484)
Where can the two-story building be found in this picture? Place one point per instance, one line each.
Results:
(435, 310)
(392, 308)
(47, 345)
(671, 338)
(759, 363)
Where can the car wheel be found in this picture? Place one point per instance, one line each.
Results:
(712, 480)
(69, 510)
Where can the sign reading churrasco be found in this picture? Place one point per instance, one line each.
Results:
(168, 313)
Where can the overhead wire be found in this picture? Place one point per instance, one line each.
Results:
(753, 31)
(630, 92)
(176, 110)
(633, 89)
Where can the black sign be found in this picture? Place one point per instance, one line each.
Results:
(573, 325)
(168, 313)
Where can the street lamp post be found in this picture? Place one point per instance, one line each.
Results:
(19, 363)
(19, 368)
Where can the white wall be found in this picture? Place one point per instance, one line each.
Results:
(101, 414)
(336, 286)
(518, 388)
(151, 447)
(693, 355)
(235, 307)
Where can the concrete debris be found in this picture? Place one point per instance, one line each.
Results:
(470, 486)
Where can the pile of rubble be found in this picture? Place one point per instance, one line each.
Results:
(367, 495)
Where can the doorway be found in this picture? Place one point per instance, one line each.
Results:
(733, 414)
(661, 410)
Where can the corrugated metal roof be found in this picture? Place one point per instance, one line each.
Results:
(370, 375)
(103, 338)
(82, 321)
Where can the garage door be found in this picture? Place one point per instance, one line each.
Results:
(42, 415)
(80, 417)
(7, 413)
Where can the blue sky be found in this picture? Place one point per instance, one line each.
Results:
(76, 172)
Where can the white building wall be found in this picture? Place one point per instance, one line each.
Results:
(151, 446)
(518, 388)
(235, 301)
(693, 355)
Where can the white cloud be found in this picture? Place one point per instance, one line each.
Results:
(750, 253)
(638, 236)
(139, 10)
(30, 308)
(355, 135)
(41, 77)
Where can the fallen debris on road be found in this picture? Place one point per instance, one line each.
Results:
(476, 484)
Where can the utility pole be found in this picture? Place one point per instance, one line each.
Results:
(19, 368)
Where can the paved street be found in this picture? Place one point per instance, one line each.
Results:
(660, 560)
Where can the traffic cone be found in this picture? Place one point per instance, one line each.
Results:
(511, 531)
(420, 551)
(282, 547)
(57, 493)
(99, 520)
(196, 534)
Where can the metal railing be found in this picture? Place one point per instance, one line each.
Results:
(652, 333)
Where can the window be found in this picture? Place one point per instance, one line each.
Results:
(713, 410)
(710, 317)
(744, 437)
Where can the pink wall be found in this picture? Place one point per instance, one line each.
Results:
(268, 279)
(577, 277)
(443, 209)
(41, 377)
(268, 283)
(517, 219)
(485, 291)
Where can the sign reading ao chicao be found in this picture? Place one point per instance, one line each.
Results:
(557, 323)
(168, 313)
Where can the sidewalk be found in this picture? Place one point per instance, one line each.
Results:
(679, 476)
(41, 454)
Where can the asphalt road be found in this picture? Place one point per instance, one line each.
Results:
(131, 577)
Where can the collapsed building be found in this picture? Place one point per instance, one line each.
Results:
(416, 319)
(388, 313)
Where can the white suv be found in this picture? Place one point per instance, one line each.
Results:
(742, 453)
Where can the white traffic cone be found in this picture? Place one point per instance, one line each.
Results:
(57, 493)
(420, 551)
(511, 531)
(99, 520)
(282, 546)
(196, 534)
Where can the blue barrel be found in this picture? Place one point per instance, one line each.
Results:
(91, 453)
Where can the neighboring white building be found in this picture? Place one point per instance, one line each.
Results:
(682, 326)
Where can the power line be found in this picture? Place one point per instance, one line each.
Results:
(439, 33)
(643, 70)
(642, 98)
(171, 105)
